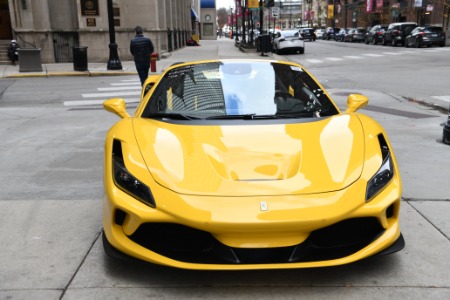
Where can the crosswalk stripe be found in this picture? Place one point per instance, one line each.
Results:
(122, 88)
(94, 102)
(444, 98)
(108, 95)
(314, 61)
(334, 58)
(353, 57)
(392, 53)
(373, 55)
(137, 83)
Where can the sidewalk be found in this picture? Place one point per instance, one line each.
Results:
(208, 49)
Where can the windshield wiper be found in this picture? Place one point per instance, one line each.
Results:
(173, 116)
(241, 117)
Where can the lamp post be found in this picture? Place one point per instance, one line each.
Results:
(114, 61)
(236, 17)
(230, 21)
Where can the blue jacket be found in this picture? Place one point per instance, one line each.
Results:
(141, 48)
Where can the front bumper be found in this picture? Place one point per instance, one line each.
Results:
(316, 231)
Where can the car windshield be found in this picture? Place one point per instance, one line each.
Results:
(226, 89)
(289, 33)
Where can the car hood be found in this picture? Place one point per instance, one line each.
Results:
(271, 159)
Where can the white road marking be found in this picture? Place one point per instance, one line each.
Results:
(95, 102)
(314, 61)
(443, 98)
(122, 88)
(373, 55)
(353, 57)
(109, 95)
(334, 58)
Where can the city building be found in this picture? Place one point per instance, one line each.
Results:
(57, 26)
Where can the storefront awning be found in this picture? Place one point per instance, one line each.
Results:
(194, 16)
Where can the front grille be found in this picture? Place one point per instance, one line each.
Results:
(187, 244)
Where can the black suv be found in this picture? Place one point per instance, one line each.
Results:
(396, 33)
(375, 34)
(307, 34)
(329, 33)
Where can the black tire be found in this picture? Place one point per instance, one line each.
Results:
(374, 41)
(393, 43)
(442, 44)
(418, 44)
(366, 40)
(302, 50)
(406, 44)
(383, 42)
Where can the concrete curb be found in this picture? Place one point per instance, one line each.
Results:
(61, 74)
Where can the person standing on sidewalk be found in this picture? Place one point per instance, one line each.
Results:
(141, 48)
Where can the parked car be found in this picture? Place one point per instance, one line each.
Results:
(307, 34)
(288, 41)
(397, 32)
(355, 35)
(319, 33)
(426, 36)
(329, 33)
(247, 164)
(375, 34)
(339, 37)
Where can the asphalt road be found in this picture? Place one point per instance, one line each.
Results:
(51, 159)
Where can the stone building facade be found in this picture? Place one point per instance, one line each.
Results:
(57, 26)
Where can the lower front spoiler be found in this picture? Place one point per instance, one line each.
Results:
(255, 262)
(398, 245)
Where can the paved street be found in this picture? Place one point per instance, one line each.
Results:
(52, 130)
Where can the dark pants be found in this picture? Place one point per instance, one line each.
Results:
(142, 69)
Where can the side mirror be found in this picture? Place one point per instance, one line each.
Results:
(355, 102)
(117, 106)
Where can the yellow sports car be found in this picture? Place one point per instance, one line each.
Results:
(247, 164)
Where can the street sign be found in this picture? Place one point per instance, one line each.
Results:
(275, 12)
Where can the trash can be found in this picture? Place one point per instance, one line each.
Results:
(80, 59)
(265, 44)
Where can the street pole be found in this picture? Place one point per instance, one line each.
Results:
(261, 16)
(236, 15)
(232, 23)
(114, 61)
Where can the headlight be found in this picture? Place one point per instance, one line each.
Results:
(127, 182)
(384, 174)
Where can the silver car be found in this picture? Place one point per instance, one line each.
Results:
(288, 41)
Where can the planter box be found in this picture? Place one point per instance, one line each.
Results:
(30, 60)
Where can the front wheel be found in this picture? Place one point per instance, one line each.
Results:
(302, 50)
(418, 43)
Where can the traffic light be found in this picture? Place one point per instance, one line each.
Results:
(270, 3)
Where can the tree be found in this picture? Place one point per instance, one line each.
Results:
(222, 17)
